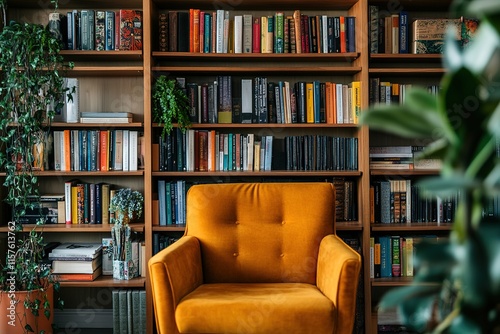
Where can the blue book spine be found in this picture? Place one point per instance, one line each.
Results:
(208, 33)
(317, 102)
(168, 202)
(403, 32)
(110, 30)
(350, 34)
(162, 203)
(385, 257)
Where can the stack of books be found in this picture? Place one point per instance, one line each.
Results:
(76, 261)
(391, 157)
(106, 117)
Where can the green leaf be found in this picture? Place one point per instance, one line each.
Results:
(400, 120)
(446, 185)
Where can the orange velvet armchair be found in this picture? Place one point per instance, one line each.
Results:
(257, 258)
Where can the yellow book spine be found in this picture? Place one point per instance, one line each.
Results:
(309, 102)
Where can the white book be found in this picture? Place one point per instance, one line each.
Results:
(63, 149)
(246, 100)
(126, 150)
(340, 113)
(118, 151)
(324, 33)
(133, 137)
(238, 34)
(250, 151)
(76, 249)
(67, 201)
(268, 153)
(247, 33)
(190, 151)
(219, 29)
(71, 108)
(57, 150)
(244, 151)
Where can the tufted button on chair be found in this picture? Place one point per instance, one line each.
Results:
(257, 258)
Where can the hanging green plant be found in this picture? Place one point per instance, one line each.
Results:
(170, 104)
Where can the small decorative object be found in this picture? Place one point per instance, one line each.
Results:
(125, 204)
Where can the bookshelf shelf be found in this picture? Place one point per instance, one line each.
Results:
(82, 55)
(339, 70)
(404, 172)
(268, 126)
(263, 4)
(421, 71)
(261, 173)
(106, 71)
(97, 173)
(176, 228)
(107, 282)
(292, 57)
(96, 125)
(412, 227)
(75, 228)
(404, 58)
(349, 226)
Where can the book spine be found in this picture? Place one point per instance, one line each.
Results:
(110, 30)
(100, 34)
(247, 33)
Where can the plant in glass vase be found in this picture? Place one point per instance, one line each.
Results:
(126, 205)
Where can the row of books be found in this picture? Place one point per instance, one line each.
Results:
(96, 150)
(401, 157)
(129, 311)
(390, 32)
(99, 30)
(222, 32)
(393, 256)
(386, 92)
(210, 150)
(402, 201)
(87, 203)
(346, 200)
(259, 100)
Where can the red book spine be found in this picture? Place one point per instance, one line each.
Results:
(256, 35)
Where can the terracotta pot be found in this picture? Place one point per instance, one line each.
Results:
(15, 317)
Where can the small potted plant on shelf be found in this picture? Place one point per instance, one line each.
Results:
(31, 81)
(170, 104)
(457, 284)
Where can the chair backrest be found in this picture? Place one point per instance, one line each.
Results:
(260, 232)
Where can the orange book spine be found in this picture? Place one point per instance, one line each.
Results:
(329, 109)
(196, 30)
(191, 30)
(103, 142)
(67, 150)
(342, 35)
(334, 102)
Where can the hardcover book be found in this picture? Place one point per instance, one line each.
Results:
(130, 29)
(429, 34)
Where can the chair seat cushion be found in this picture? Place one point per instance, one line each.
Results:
(256, 308)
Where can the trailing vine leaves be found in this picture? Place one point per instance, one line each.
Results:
(170, 104)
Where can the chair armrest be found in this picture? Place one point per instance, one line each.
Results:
(174, 272)
(337, 278)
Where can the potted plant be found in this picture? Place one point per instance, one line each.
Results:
(126, 205)
(170, 104)
(31, 80)
(457, 291)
